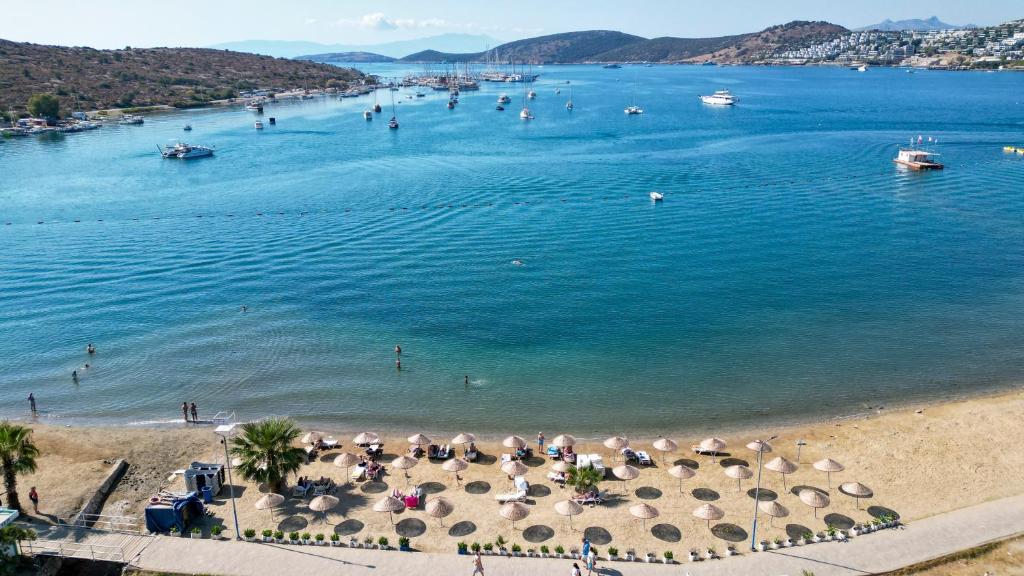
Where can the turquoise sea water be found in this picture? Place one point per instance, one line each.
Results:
(792, 270)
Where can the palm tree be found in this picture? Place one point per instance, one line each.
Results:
(266, 451)
(582, 479)
(17, 456)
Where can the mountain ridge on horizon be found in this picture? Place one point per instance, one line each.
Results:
(450, 42)
(915, 24)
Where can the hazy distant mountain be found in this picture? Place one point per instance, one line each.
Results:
(609, 46)
(917, 24)
(293, 48)
(350, 57)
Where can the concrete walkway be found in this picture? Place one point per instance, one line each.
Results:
(879, 552)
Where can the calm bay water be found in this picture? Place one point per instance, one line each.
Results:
(792, 271)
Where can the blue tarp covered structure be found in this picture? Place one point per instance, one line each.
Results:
(180, 512)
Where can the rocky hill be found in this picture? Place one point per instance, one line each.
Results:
(610, 46)
(89, 79)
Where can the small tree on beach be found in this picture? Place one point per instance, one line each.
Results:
(266, 451)
(17, 456)
(582, 479)
(44, 106)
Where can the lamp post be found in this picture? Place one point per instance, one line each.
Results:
(799, 444)
(224, 431)
(757, 490)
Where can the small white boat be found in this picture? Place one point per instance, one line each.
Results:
(862, 68)
(631, 110)
(917, 159)
(657, 196)
(719, 98)
(368, 114)
(258, 125)
(531, 95)
(182, 151)
(131, 119)
(393, 123)
(504, 99)
(525, 114)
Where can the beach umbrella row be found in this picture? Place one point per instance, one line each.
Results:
(439, 507)
(568, 508)
(514, 511)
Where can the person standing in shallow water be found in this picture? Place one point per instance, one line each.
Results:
(184, 410)
(398, 350)
(194, 411)
(32, 402)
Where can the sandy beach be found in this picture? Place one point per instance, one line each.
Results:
(918, 461)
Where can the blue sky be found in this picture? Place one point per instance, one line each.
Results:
(116, 23)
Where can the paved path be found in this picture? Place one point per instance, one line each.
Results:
(879, 552)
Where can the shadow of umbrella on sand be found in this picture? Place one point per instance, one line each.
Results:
(268, 502)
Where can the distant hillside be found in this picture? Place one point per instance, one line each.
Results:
(456, 43)
(915, 24)
(609, 46)
(755, 47)
(346, 57)
(669, 49)
(565, 47)
(85, 78)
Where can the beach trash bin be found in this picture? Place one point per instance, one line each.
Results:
(207, 494)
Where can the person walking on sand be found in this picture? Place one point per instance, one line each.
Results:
(575, 570)
(586, 547)
(184, 410)
(32, 402)
(478, 564)
(195, 412)
(591, 562)
(34, 497)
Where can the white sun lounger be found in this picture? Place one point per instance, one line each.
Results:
(519, 496)
(643, 458)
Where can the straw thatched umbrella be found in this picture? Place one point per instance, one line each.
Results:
(312, 437)
(323, 504)
(268, 502)
(561, 466)
(514, 442)
(568, 508)
(625, 472)
(514, 511)
(346, 460)
(616, 443)
(563, 441)
(814, 499)
(740, 473)
(464, 438)
(365, 438)
(828, 466)
(665, 445)
(682, 472)
(439, 507)
(857, 490)
(773, 509)
(514, 468)
(782, 466)
(455, 465)
(759, 446)
(419, 440)
(389, 504)
(709, 512)
(713, 445)
(644, 512)
(403, 463)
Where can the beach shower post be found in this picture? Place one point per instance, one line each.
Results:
(224, 431)
(761, 446)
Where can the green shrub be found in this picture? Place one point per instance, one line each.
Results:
(268, 533)
(613, 551)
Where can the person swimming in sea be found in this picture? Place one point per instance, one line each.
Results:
(398, 350)
(90, 348)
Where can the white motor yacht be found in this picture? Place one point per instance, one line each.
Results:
(719, 98)
(657, 196)
(634, 110)
(504, 99)
(182, 151)
(525, 114)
